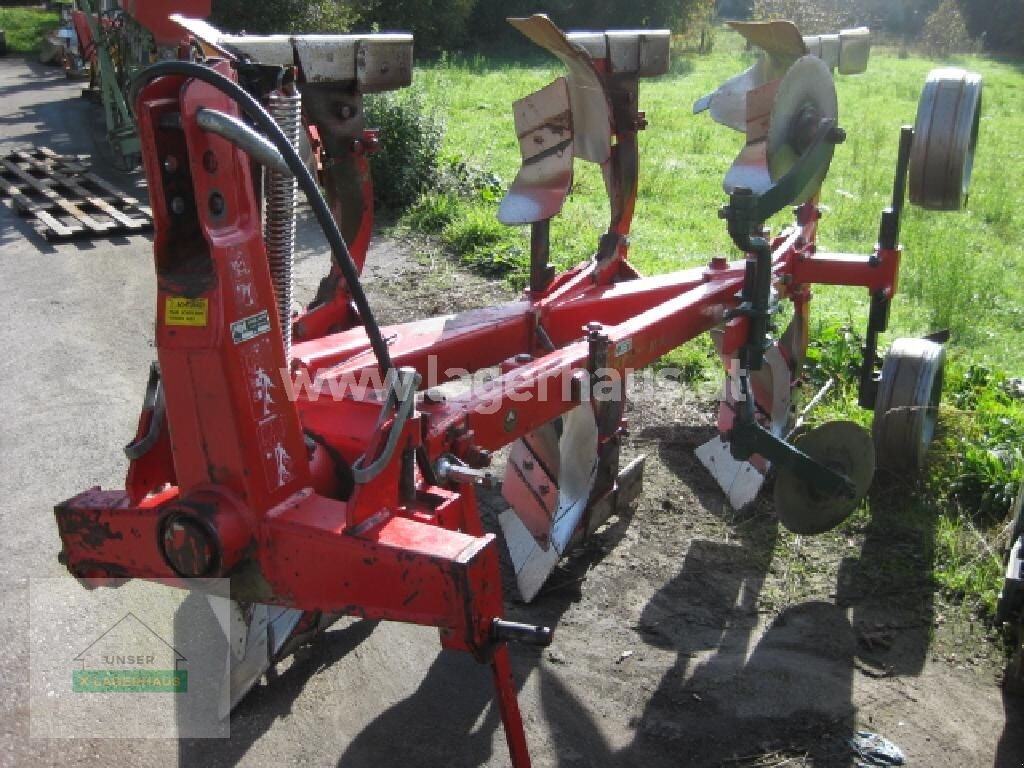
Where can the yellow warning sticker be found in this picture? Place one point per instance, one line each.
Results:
(181, 311)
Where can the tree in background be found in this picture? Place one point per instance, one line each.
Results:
(940, 27)
(945, 30)
(445, 24)
(284, 16)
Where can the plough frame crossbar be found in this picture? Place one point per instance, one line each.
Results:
(316, 481)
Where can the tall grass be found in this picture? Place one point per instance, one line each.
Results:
(959, 269)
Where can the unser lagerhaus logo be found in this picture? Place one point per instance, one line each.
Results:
(130, 658)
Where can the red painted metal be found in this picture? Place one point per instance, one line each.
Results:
(153, 15)
(248, 470)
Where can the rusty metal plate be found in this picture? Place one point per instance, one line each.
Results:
(543, 123)
(591, 112)
(945, 137)
(778, 38)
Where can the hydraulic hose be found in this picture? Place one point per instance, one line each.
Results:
(255, 111)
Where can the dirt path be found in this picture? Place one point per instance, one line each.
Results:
(685, 637)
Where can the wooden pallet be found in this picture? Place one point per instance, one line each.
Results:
(66, 200)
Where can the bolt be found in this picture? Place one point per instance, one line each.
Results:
(544, 489)
(347, 111)
(724, 211)
(837, 135)
(217, 204)
(210, 161)
(719, 262)
(178, 205)
(523, 358)
(171, 164)
(510, 419)
(528, 465)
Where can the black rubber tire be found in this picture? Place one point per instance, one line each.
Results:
(907, 404)
(945, 135)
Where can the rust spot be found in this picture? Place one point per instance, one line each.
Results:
(85, 524)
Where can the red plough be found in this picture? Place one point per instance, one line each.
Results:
(326, 465)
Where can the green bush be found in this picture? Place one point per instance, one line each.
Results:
(25, 27)
(437, 24)
(488, 19)
(983, 465)
(284, 16)
(409, 160)
(945, 31)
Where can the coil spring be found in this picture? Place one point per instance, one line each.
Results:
(279, 212)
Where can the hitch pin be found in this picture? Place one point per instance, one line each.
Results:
(504, 631)
(257, 146)
(453, 471)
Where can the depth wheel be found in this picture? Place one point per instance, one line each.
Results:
(907, 405)
(945, 135)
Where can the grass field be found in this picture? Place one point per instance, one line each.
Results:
(25, 27)
(960, 271)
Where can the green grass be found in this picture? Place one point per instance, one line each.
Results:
(957, 267)
(25, 27)
(960, 270)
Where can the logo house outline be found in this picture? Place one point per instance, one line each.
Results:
(130, 672)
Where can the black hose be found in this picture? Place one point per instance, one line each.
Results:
(254, 110)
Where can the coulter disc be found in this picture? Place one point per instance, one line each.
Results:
(842, 446)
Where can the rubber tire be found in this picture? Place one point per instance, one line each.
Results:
(945, 136)
(907, 404)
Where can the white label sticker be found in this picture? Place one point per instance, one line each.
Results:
(250, 327)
